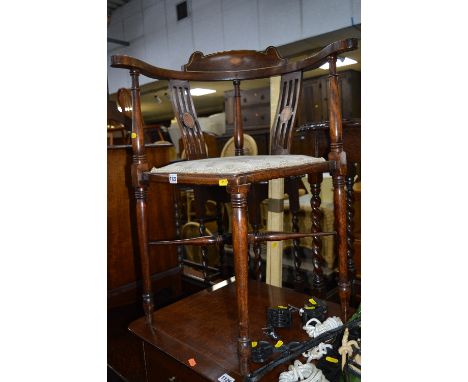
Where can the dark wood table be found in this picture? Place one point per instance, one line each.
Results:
(203, 328)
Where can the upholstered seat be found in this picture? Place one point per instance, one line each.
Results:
(237, 165)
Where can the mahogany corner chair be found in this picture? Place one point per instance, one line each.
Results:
(238, 173)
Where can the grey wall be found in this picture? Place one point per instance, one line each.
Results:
(157, 37)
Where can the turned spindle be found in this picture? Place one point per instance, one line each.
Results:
(318, 282)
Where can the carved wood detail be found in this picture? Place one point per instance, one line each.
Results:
(234, 60)
(184, 110)
(318, 282)
(285, 117)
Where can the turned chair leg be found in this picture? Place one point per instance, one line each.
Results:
(339, 201)
(318, 281)
(139, 164)
(292, 189)
(141, 194)
(339, 198)
(240, 247)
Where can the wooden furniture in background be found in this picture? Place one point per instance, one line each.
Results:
(113, 114)
(115, 133)
(255, 105)
(250, 147)
(117, 125)
(124, 100)
(123, 263)
(216, 143)
(236, 174)
(315, 96)
(314, 140)
(260, 134)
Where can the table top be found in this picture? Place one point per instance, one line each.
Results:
(204, 327)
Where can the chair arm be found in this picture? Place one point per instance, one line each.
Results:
(131, 63)
(318, 59)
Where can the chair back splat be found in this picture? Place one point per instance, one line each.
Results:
(192, 135)
(285, 117)
(238, 173)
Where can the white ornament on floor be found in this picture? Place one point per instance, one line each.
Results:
(320, 328)
(302, 372)
(316, 352)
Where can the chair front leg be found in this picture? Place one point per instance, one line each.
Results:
(239, 195)
(339, 201)
(141, 194)
(140, 165)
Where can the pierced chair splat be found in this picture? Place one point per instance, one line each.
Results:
(238, 173)
(196, 148)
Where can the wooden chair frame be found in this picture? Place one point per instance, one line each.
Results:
(236, 66)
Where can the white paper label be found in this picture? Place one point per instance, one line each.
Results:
(226, 378)
(172, 178)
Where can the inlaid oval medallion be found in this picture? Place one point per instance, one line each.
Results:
(285, 114)
(188, 120)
